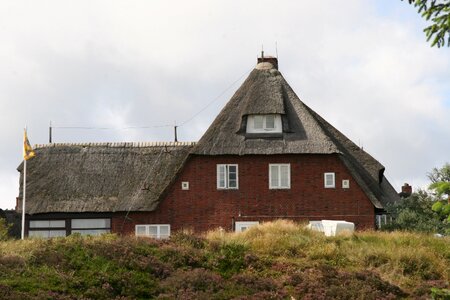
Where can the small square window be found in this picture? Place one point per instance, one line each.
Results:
(345, 184)
(185, 185)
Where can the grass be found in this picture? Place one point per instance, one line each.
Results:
(277, 260)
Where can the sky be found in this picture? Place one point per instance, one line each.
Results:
(363, 65)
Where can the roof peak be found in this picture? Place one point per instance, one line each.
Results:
(267, 62)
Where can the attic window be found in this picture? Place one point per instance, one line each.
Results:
(264, 123)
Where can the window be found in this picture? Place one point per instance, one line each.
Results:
(279, 176)
(185, 185)
(91, 226)
(47, 224)
(264, 123)
(157, 231)
(242, 226)
(227, 176)
(329, 180)
(47, 228)
(46, 233)
(382, 220)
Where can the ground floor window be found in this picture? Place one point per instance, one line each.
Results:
(60, 228)
(382, 220)
(91, 226)
(47, 228)
(242, 226)
(157, 231)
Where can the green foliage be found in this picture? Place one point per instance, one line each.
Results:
(369, 265)
(442, 174)
(438, 11)
(437, 293)
(415, 213)
(440, 180)
(440, 184)
(4, 228)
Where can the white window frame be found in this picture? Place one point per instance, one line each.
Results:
(325, 184)
(241, 226)
(226, 180)
(279, 177)
(264, 129)
(147, 230)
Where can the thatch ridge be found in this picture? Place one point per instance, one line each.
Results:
(117, 144)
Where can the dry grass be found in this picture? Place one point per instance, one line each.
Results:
(275, 260)
(403, 258)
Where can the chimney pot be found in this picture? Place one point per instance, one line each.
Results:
(406, 190)
(270, 59)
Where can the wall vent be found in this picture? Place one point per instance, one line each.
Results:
(185, 185)
(345, 184)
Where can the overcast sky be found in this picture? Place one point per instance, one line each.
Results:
(363, 65)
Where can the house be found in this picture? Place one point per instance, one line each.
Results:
(266, 156)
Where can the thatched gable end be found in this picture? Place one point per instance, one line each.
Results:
(102, 177)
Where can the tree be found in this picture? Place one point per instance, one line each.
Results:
(414, 213)
(438, 11)
(440, 184)
(423, 211)
(440, 181)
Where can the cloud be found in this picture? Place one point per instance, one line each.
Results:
(118, 64)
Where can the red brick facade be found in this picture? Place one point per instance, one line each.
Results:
(204, 207)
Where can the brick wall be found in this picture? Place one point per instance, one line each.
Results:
(204, 207)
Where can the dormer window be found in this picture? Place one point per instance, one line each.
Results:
(264, 124)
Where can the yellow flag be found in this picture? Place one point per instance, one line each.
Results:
(28, 151)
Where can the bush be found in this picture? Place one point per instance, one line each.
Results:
(4, 229)
(415, 213)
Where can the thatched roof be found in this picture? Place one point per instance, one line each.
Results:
(265, 91)
(101, 177)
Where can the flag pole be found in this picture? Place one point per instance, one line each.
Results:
(24, 196)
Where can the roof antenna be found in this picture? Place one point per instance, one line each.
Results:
(175, 132)
(50, 133)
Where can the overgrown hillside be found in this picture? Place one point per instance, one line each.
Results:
(277, 260)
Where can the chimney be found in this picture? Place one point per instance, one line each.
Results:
(406, 190)
(269, 59)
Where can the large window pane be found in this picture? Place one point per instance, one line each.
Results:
(46, 233)
(164, 231)
(270, 122)
(153, 231)
(140, 230)
(284, 176)
(221, 172)
(258, 122)
(91, 223)
(47, 223)
(274, 176)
